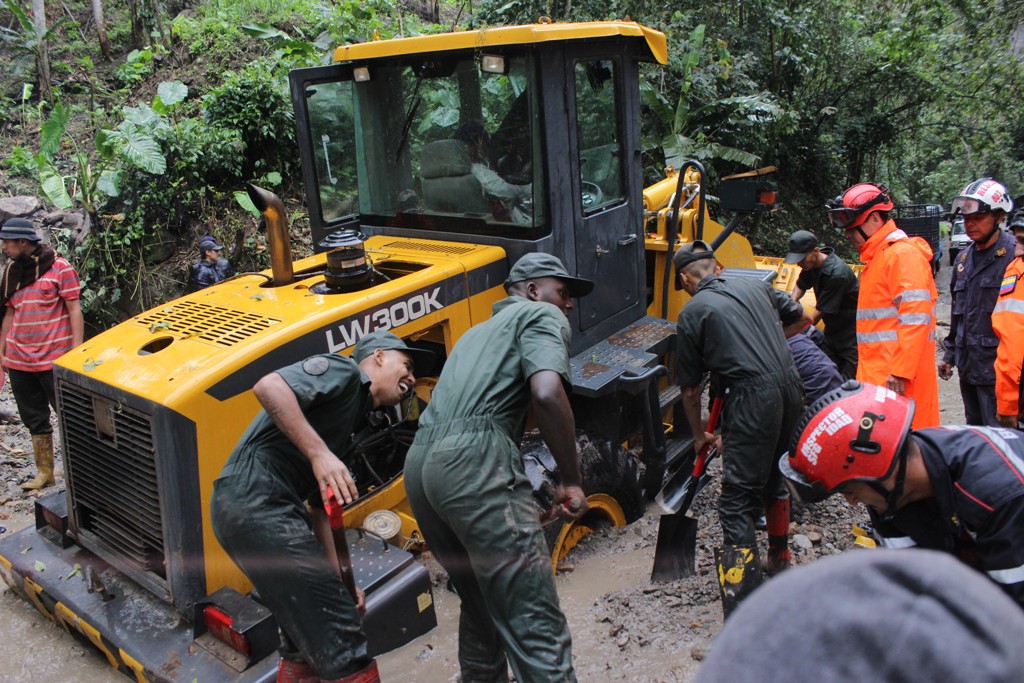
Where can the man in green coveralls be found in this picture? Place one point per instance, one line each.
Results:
(465, 480)
(291, 453)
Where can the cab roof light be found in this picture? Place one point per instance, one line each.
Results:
(493, 64)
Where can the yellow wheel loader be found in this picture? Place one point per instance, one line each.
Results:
(430, 165)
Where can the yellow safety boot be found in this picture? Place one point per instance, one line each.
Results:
(42, 446)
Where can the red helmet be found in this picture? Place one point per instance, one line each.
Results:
(853, 433)
(853, 206)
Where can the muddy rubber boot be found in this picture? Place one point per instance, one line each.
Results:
(368, 674)
(42, 446)
(739, 573)
(777, 514)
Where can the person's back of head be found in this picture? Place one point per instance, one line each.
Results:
(898, 616)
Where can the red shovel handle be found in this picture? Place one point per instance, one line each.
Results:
(701, 459)
(334, 509)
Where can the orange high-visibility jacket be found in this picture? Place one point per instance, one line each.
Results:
(896, 318)
(1008, 323)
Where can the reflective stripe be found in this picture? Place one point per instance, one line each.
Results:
(896, 541)
(1012, 305)
(931, 335)
(876, 337)
(912, 295)
(876, 313)
(1005, 576)
(998, 437)
(915, 319)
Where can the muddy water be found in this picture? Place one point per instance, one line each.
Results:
(33, 648)
(433, 658)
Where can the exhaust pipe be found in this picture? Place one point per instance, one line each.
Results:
(278, 242)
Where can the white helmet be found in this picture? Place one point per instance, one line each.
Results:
(982, 196)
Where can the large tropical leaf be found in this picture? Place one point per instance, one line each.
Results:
(144, 117)
(168, 95)
(24, 19)
(109, 183)
(142, 150)
(738, 156)
(246, 203)
(52, 183)
(53, 130)
(262, 31)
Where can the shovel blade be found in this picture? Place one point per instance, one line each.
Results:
(676, 553)
(677, 488)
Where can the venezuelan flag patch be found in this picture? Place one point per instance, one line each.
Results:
(1009, 284)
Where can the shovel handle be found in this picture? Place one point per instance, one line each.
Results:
(335, 510)
(701, 460)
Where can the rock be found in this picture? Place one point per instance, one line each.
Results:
(623, 641)
(814, 537)
(72, 220)
(53, 217)
(699, 652)
(159, 247)
(17, 207)
(802, 541)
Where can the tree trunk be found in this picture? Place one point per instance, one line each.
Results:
(101, 28)
(136, 19)
(42, 48)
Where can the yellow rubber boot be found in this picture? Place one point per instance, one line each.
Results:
(739, 573)
(42, 446)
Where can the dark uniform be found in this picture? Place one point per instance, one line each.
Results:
(465, 481)
(977, 513)
(817, 371)
(260, 517)
(835, 289)
(971, 343)
(205, 273)
(731, 328)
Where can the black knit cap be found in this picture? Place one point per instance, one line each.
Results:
(19, 229)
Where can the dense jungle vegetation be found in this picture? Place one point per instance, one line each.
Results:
(149, 116)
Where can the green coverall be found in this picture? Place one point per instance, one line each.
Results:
(260, 517)
(465, 481)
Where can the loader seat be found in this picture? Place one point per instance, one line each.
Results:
(447, 181)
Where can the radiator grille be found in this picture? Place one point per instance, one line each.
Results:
(114, 475)
(216, 324)
(450, 249)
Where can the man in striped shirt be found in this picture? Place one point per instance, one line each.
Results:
(42, 320)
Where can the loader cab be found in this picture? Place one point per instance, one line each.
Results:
(524, 137)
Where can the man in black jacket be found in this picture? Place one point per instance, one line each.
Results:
(734, 329)
(958, 489)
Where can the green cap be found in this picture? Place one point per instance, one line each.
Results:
(387, 341)
(538, 265)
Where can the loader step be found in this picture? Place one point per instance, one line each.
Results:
(632, 349)
(670, 395)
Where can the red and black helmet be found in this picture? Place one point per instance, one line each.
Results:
(854, 433)
(852, 207)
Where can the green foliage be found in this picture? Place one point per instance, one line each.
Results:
(21, 163)
(253, 102)
(137, 66)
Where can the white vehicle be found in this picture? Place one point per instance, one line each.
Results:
(958, 239)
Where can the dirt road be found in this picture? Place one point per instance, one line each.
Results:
(624, 628)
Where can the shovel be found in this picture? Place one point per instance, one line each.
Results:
(335, 517)
(675, 554)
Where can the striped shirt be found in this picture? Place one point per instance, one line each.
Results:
(41, 330)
